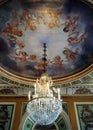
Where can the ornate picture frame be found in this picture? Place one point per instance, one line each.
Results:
(84, 115)
(7, 110)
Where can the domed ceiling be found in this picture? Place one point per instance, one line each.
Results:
(66, 26)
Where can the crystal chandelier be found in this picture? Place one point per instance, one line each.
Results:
(44, 108)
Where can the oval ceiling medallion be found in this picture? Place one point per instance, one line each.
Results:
(66, 26)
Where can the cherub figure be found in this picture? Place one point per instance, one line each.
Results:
(22, 56)
(32, 57)
(57, 61)
(14, 41)
(26, 15)
(70, 54)
(30, 21)
(55, 19)
(31, 24)
(71, 24)
(12, 29)
(77, 39)
(40, 64)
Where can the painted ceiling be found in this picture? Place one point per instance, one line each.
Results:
(66, 26)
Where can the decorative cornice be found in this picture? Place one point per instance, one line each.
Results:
(80, 77)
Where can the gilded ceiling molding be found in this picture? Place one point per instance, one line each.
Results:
(88, 2)
(75, 76)
(27, 81)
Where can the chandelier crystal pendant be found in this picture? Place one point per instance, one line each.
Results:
(44, 108)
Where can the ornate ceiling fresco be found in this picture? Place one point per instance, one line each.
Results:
(65, 26)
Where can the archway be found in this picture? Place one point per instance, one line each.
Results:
(62, 123)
